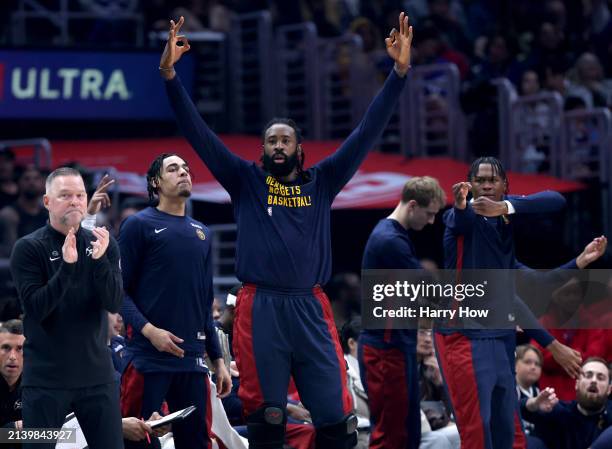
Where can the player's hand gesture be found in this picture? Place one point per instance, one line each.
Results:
(100, 199)
(569, 359)
(592, 252)
(460, 191)
(69, 249)
(398, 45)
(173, 52)
(224, 381)
(163, 340)
(489, 208)
(544, 401)
(100, 245)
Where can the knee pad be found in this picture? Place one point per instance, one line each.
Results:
(266, 427)
(341, 435)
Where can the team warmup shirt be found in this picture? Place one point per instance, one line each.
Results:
(65, 309)
(283, 237)
(167, 278)
(388, 248)
(488, 243)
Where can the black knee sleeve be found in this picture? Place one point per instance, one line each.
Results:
(341, 435)
(266, 427)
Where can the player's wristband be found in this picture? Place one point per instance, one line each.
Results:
(166, 69)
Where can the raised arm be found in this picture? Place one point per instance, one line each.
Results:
(223, 164)
(342, 165)
(541, 202)
(460, 218)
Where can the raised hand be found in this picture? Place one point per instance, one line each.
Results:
(100, 199)
(399, 43)
(173, 52)
(489, 208)
(69, 249)
(460, 191)
(99, 246)
(569, 359)
(544, 401)
(592, 252)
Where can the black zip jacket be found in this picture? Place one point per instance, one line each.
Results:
(65, 309)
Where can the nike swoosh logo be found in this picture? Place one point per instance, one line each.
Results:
(157, 231)
(53, 258)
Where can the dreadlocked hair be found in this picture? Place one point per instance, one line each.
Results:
(298, 137)
(498, 168)
(154, 173)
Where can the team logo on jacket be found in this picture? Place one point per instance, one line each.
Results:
(89, 251)
(201, 234)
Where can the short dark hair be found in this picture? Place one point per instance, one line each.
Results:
(351, 329)
(595, 359)
(283, 121)
(154, 173)
(12, 327)
(498, 167)
(62, 171)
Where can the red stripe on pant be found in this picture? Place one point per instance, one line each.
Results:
(250, 390)
(520, 441)
(387, 396)
(300, 436)
(347, 399)
(132, 390)
(455, 355)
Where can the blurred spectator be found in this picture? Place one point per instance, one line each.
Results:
(27, 213)
(589, 342)
(8, 187)
(528, 371)
(442, 17)
(430, 48)
(349, 336)
(499, 60)
(575, 424)
(344, 292)
(553, 75)
(129, 207)
(549, 46)
(325, 14)
(582, 143)
(217, 306)
(587, 81)
(11, 366)
(203, 15)
(378, 12)
(435, 404)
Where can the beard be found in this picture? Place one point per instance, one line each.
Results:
(589, 402)
(279, 170)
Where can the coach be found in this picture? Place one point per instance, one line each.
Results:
(67, 279)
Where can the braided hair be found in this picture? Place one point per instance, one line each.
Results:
(498, 168)
(154, 173)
